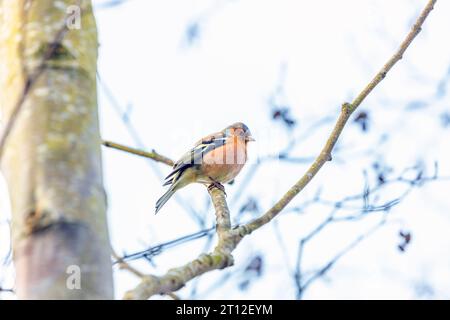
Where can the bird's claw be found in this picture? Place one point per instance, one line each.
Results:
(217, 185)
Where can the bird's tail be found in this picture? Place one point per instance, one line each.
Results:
(165, 197)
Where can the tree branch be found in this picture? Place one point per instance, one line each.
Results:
(229, 238)
(222, 212)
(125, 265)
(151, 155)
(346, 112)
(10, 290)
(220, 258)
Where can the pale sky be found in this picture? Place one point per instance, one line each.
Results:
(322, 53)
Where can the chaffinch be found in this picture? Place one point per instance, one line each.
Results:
(217, 158)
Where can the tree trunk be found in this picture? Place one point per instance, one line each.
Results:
(51, 160)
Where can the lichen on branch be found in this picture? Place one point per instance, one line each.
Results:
(229, 237)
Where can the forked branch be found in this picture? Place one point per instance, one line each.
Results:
(229, 238)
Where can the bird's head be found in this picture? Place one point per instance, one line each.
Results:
(240, 130)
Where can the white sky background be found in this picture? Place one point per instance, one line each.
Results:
(330, 50)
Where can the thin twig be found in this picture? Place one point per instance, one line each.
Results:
(339, 255)
(151, 155)
(155, 250)
(125, 265)
(346, 112)
(221, 257)
(123, 114)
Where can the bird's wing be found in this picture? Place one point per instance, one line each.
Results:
(194, 156)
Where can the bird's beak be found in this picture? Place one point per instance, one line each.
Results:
(249, 138)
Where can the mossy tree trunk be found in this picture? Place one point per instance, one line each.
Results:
(52, 160)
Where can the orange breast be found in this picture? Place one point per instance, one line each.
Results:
(225, 162)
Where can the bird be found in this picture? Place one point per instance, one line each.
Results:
(215, 159)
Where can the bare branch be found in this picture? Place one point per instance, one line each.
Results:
(346, 112)
(157, 249)
(151, 155)
(416, 28)
(125, 265)
(222, 212)
(301, 287)
(221, 256)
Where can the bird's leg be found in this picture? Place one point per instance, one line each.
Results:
(218, 185)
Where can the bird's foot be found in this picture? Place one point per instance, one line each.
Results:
(217, 185)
